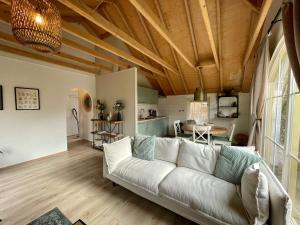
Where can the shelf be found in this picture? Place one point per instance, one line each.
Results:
(105, 121)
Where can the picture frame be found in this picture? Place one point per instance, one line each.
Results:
(27, 98)
(1, 98)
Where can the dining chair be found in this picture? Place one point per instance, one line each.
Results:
(201, 134)
(219, 140)
(178, 132)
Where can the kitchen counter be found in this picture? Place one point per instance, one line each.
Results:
(141, 120)
(157, 126)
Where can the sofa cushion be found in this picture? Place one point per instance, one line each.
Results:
(255, 194)
(116, 152)
(232, 163)
(166, 149)
(205, 193)
(143, 147)
(142, 173)
(197, 156)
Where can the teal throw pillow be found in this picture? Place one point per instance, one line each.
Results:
(143, 147)
(232, 163)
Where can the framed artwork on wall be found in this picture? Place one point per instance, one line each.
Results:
(27, 98)
(1, 98)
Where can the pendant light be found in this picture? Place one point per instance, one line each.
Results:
(200, 95)
(37, 24)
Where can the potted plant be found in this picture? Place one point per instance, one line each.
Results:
(118, 107)
(101, 107)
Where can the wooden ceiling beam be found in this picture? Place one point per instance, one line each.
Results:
(102, 44)
(42, 57)
(204, 10)
(252, 7)
(82, 9)
(133, 34)
(220, 44)
(193, 39)
(86, 50)
(154, 20)
(94, 53)
(261, 19)
(151, 40)
(10, 39)
(162, 19)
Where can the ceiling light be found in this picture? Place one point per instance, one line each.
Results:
(37, 24)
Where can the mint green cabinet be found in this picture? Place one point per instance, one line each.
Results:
(147, 96)
(157, 127)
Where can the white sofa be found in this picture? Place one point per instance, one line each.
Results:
(195, 195)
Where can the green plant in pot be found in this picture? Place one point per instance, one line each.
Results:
(101, 107)
(118, 107)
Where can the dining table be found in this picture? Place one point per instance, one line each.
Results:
(215, 130)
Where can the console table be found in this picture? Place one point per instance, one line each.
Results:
(106, 132)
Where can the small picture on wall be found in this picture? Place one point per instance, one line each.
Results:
(1, 98)
(27, 98)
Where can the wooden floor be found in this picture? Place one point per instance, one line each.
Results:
(72, 181)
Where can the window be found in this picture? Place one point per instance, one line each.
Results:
(282, 127)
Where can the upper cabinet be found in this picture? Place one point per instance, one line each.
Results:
(147, 96)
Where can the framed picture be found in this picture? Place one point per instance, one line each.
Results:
(27, 98)
(1, 98)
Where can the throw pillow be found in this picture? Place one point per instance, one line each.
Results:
(197, 156)
(143, 147)
(166, 149)
(232, 163)
(255, 194)
(116, 152)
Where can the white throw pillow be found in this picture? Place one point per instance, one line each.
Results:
(255, 194)
(117, 152)
(166, 149)
(197, 156)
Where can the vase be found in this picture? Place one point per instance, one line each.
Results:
(119, 116)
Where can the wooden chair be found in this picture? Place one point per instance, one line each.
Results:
(201, 134)
(218, 140)
(178, 132)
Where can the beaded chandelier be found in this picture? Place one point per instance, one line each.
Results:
(37, 24)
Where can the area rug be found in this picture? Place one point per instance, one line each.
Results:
(53, 217)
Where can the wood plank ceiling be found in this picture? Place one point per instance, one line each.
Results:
(179, 45)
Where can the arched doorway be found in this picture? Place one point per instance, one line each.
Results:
(78, 115)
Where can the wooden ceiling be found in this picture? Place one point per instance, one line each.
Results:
(178, 44)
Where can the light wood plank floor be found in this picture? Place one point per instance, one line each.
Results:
(72, 181)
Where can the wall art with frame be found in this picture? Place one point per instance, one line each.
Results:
(27, 98)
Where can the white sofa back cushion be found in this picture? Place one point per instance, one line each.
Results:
(197, 156)
(255, 194)
(117, 152)
(166, 149)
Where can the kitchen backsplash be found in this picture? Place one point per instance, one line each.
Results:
(143, 109)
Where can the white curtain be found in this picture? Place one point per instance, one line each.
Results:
(258, 95)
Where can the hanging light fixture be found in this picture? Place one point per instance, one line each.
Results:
(200, 95)
(37, 24)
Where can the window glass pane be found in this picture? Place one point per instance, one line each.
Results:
(294, 88)
(283, 81)
(268, 152)
(279, 162)
(281, 120)
(294, 188)
(295, 126)
(269, 120)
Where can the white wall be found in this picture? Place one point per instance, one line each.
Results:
(26, 135)
(175, 107)
(122, 86)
